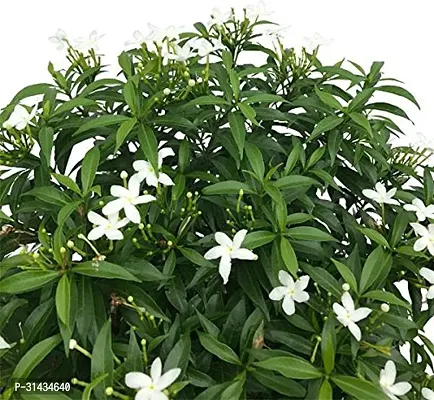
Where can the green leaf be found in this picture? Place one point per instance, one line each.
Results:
(390, 108)
(288, 256)
(398, 322)
(325, 125)
(68, 182)
(235, 83)
(258, 239)
(375, 236)
(45, 138)
(238, 130)
(207, 101)
(235, 390)
(8, 309)
(34, 356)
(184, 155)
(399, 227)
(104, 269)
(377, 264)
(73, 103)
(280, 384)
(324, 279)
(295, 182)
(361, 120)
(328, 99)
(249, 112)
(92, 385)
(264, 98)
(256, 160)
(359, 388)
(227, 187)
(328, 346)
(66, 211)
(50, 195)
(309, 233)
(428, 186)
(100, 122)
(347, 274)
(195, 257)
(102, 360)
(360, 100)
(149, 145)
(123, 131)
(89, 167)
(179, 355)
(27, 281)
(386, 297)
(129, 93)
(325, 391)
(399, 91)
(290, 367)
(63, 299)
(219, 349)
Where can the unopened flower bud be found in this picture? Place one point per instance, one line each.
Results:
(101, 203)
(62, 250)
(191, 82)
(74, 381)
(134, 240)
(130, 299)
(186, 74)
(385, 307)
(109, 391)
(166, 91)
(72, 344)
(140, 64)
(141, 226)
(241, 192)
(189, 195)
(124, 175)
(148, 226)
(169, 243)
(70, 244)
(143, 342)
(35, 255)
(44, 230)
(345, 287)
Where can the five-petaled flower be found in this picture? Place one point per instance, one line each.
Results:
(139, 38)
(347, 315)
(218, 18)
(205, 47)
(158, 35)
(145, 170)
(59, 39)
(428, 274)
(151, 387)
(4, 344)
(259, 10)
(91, 42)
(178, 53)
(428, 394)
(381, 195)
(422, 211)
(228, 250)
(106, 226)
(127, 200)
(290, 291)
(387, 382)
(20, 118)
(426, 239)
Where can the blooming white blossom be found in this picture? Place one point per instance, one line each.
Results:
(347, 315)
(380, 194)
(312, 42)
(228, 250)
(387, 382)
(259, 10)
(59, 39)
(178, 53)
(205, 47)
(145, 171)
(127, 200)
(158, 35)
(276, 31)
(4, 344)
(218, 17)
(106, 226)
(138, 39)
(20, 117)
(428, 274)
(426, 239)
(422, 211)
(428, 394)
(91, 42)
(290, 291)
(151, 387)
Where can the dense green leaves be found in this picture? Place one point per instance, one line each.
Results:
(290, 367)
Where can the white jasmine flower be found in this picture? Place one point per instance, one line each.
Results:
(422, 212)
(428, 394)
(106, 226)
(276, 31)
(145, 171)
(92, 42)
(138, 39)
(205, 47)
(428, 274)
(290, 292)
(20, 118)
(151, 387)
(59, 39)
(348, 316)
(4, 344)
(158, 35)
(228, 250)
(387, 382)
(178, 53)
(259, 10)
(424, 142)
(218, 18)
(311, 43)
(380, 195)
(127, 200)
(426, 239)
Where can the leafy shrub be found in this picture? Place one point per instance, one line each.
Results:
(107, 262)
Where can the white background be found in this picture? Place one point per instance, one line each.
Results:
(398, 32)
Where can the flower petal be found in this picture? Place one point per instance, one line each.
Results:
(278, 293)
(419, 229)
(288, 305)
(389, 376)
(163, 153)
(428, 274)
(355, 330)
(286, 279)
(301, 297)
(119, 191)
(381, 189)
(421, 244)
(239, 238)
(146, 198)
(370, 194)
(302, 283)
(113, 207)
(430, 294)
(96, 233)
(223, 239)
(145, 394)
(431, 248)
(401, 388)
(122, 223)
(156, 368)
(165, 179)
(215, 252)
(339, 310)
(243, 254)
(4, 344)
(134, 186)
(114, 234)
(132, 213)
(141, 166)
(168, 378)
(360, 313)
(96, 219)
(137, 380)
(151, 179)
(348, 302)
(225, 268)
(428, 394)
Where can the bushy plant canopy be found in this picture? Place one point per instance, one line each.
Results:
(235, 231)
